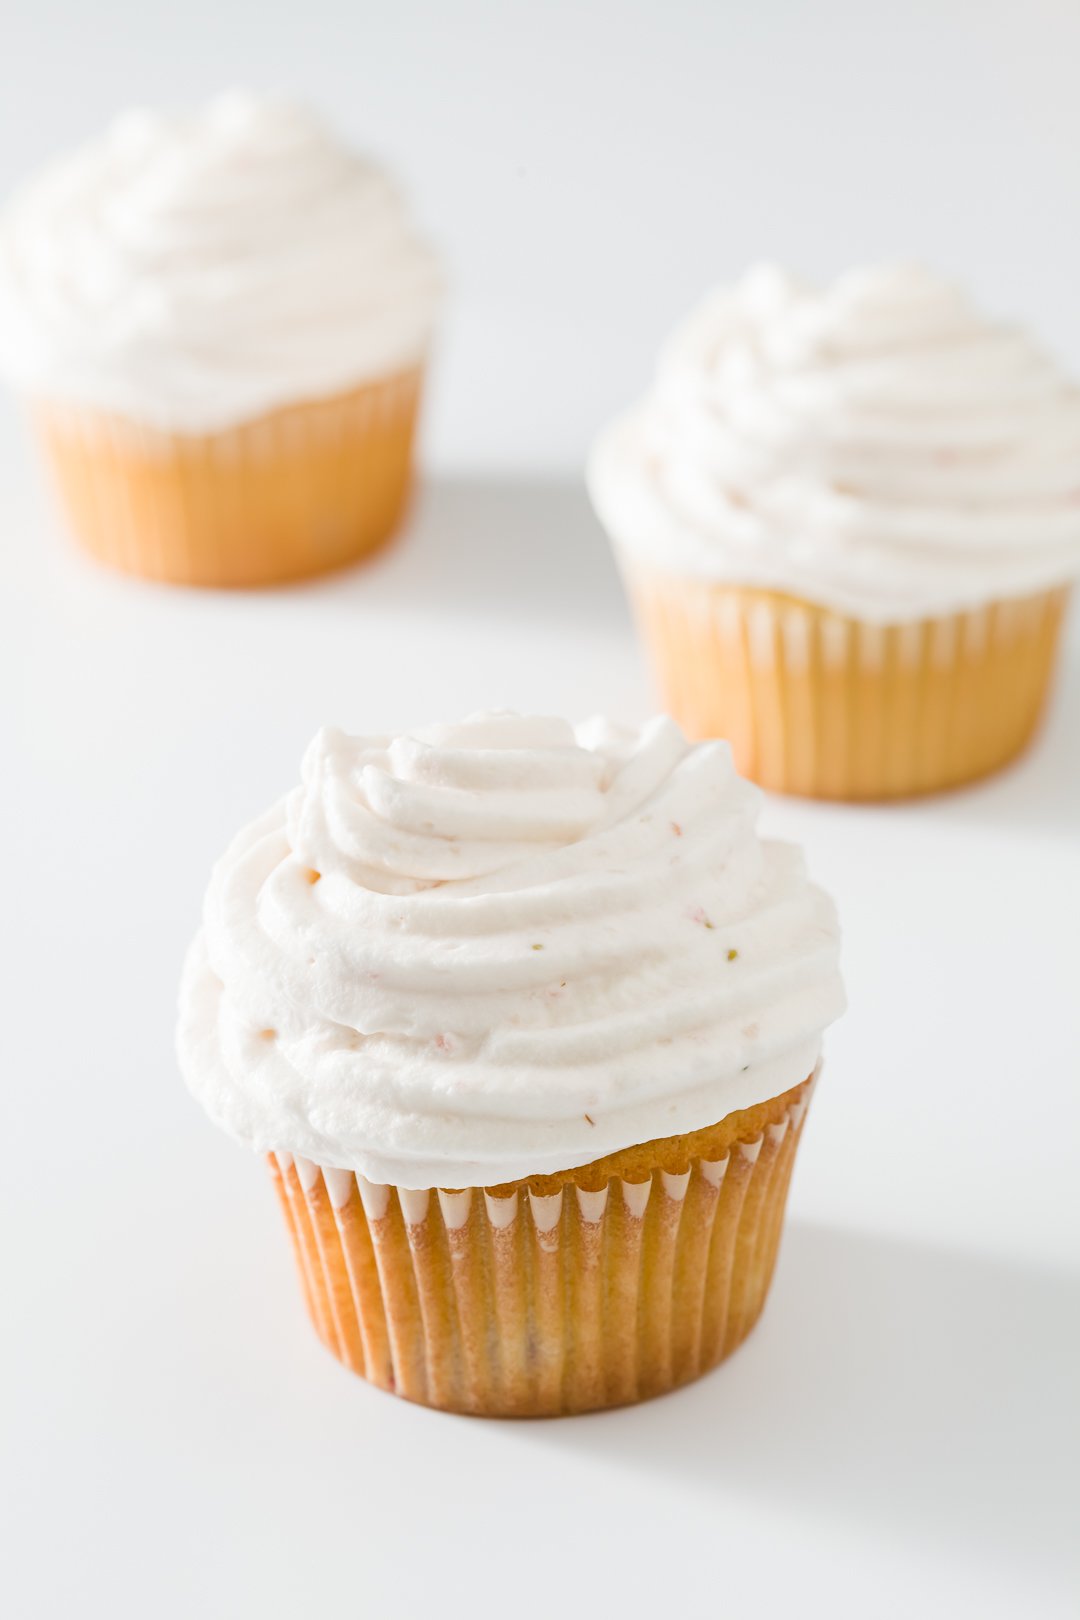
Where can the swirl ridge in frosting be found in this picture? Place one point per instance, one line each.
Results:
(877, 447)
(503, 948)
(196, 271)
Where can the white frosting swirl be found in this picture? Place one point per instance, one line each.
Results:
(502, 948)
(877, 447)
(193, 272)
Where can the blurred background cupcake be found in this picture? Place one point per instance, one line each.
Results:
(527, 1017)
(848, 520)
(221, 323)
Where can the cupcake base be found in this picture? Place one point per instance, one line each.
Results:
(561, 1294)
(830, 707)
(293, 493)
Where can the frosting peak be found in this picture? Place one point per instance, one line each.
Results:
(876, 446)
(197, 271)
(478, 952)
(444, 805)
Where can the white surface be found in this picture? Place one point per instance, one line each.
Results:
(900, 1434)
(590, 167)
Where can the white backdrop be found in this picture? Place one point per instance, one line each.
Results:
(589, 167)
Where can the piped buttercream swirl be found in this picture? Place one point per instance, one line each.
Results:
(877, 447)
(192, 272)
(502, 948)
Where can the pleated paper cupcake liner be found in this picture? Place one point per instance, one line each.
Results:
(522, 1305)
(819, 704)
(294, 493)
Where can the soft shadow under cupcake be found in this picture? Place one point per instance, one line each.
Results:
(914, 1390)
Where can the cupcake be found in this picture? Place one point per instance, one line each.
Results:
(525, 1018)
(220, 322)
(848, 522)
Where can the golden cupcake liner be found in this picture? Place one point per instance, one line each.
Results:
(816, 703)
(301, 490)
(524, 1304)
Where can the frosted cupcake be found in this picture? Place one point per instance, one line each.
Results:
(848, 521)
(526, 1019)
(221, 323)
